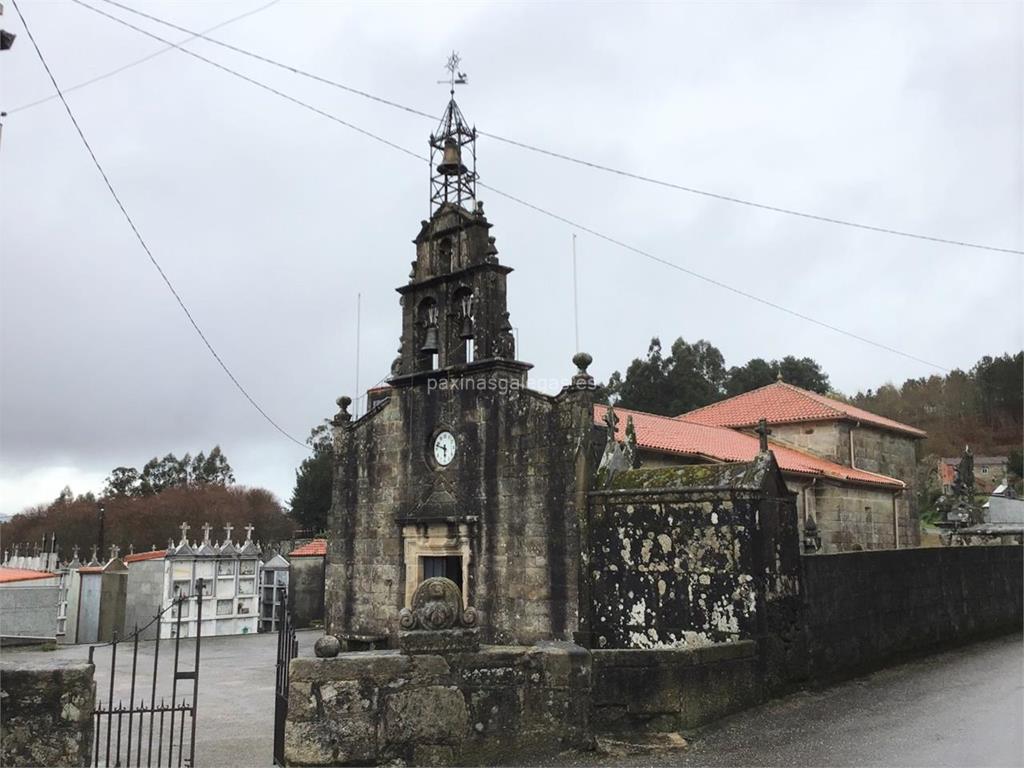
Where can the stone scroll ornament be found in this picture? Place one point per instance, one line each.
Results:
(436, 606)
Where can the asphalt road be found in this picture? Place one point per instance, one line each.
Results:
(959, 708)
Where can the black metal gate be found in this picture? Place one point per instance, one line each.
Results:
(140, 732)
(287, 649)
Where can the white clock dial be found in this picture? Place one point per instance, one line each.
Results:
(444, 448)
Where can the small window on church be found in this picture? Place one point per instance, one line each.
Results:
(450, 567)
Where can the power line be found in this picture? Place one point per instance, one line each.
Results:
(536, 208)
(569, 158)
(138, 235)
(144, 59)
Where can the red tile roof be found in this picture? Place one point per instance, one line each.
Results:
(138, 556)
(315, 548)
(782, 403)
(680, 437)
(8, 575)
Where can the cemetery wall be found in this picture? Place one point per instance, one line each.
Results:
(47, 713)
(500, 704)
(144, 597)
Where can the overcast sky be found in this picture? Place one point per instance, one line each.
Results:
(270, 219)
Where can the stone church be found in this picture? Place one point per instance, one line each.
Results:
(459, 469)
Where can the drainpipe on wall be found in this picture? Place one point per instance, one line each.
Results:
(895, 520)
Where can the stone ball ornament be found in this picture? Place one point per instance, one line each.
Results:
(327, 647)
(437, 605)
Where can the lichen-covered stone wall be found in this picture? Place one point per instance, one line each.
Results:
(46, 713)
(500, 704)
(509, 498)
(686, 557)
(671, 572)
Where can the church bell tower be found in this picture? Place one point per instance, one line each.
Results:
(455, 319)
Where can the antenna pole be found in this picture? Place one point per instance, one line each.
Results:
(359, 307)
(575, 295)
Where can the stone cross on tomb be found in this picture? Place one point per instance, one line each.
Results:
(763, 432)
(114, 551)
(248, 531)
(206, 532)
(611, 421)
(184, 530)
(228, 528)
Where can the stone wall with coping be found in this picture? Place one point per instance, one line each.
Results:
(867, 609)
(46, 713)
(29, 610)
(675, 689)
(487, 707)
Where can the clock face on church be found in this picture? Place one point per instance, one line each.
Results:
(444, 448)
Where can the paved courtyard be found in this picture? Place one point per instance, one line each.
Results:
(959, 708)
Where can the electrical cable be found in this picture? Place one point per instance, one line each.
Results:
(141, 240)
(567, 158)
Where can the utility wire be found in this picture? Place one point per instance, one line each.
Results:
(144, 59)
(138, 235)
(536, 208)
(570, 158)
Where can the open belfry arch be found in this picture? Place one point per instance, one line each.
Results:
(459, 470)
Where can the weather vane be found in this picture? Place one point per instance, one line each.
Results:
(455, 77)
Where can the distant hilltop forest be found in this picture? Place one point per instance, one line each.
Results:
(144, 508)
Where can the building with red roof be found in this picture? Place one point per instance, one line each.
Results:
(852, 470)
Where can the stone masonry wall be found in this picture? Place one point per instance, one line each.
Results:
(671, 572)
(673, 689)
(46, 713)
(852, 517)
(864, 609)
(491, 707)
(512, 485)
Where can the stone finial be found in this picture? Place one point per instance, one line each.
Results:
(248, 531)
(437, 621)
(582, 379)
(206, 532)
(632, 454)
(114, 551)
(762, 434)
(778, 376)
(343, 417)
(611, 421)
(228, 528)
(184, 532)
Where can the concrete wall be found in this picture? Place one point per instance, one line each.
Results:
(673, 690)
(113, 597)
(509, 495)
(865, 609)
(377, 707)
(306, 590)
(29, 609)
(46, 717)
(144, 597)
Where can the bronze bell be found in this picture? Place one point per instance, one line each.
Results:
(466, 332)
(451, 160)
(430, 342)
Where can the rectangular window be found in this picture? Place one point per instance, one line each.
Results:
(223, 607)
(449, 566)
